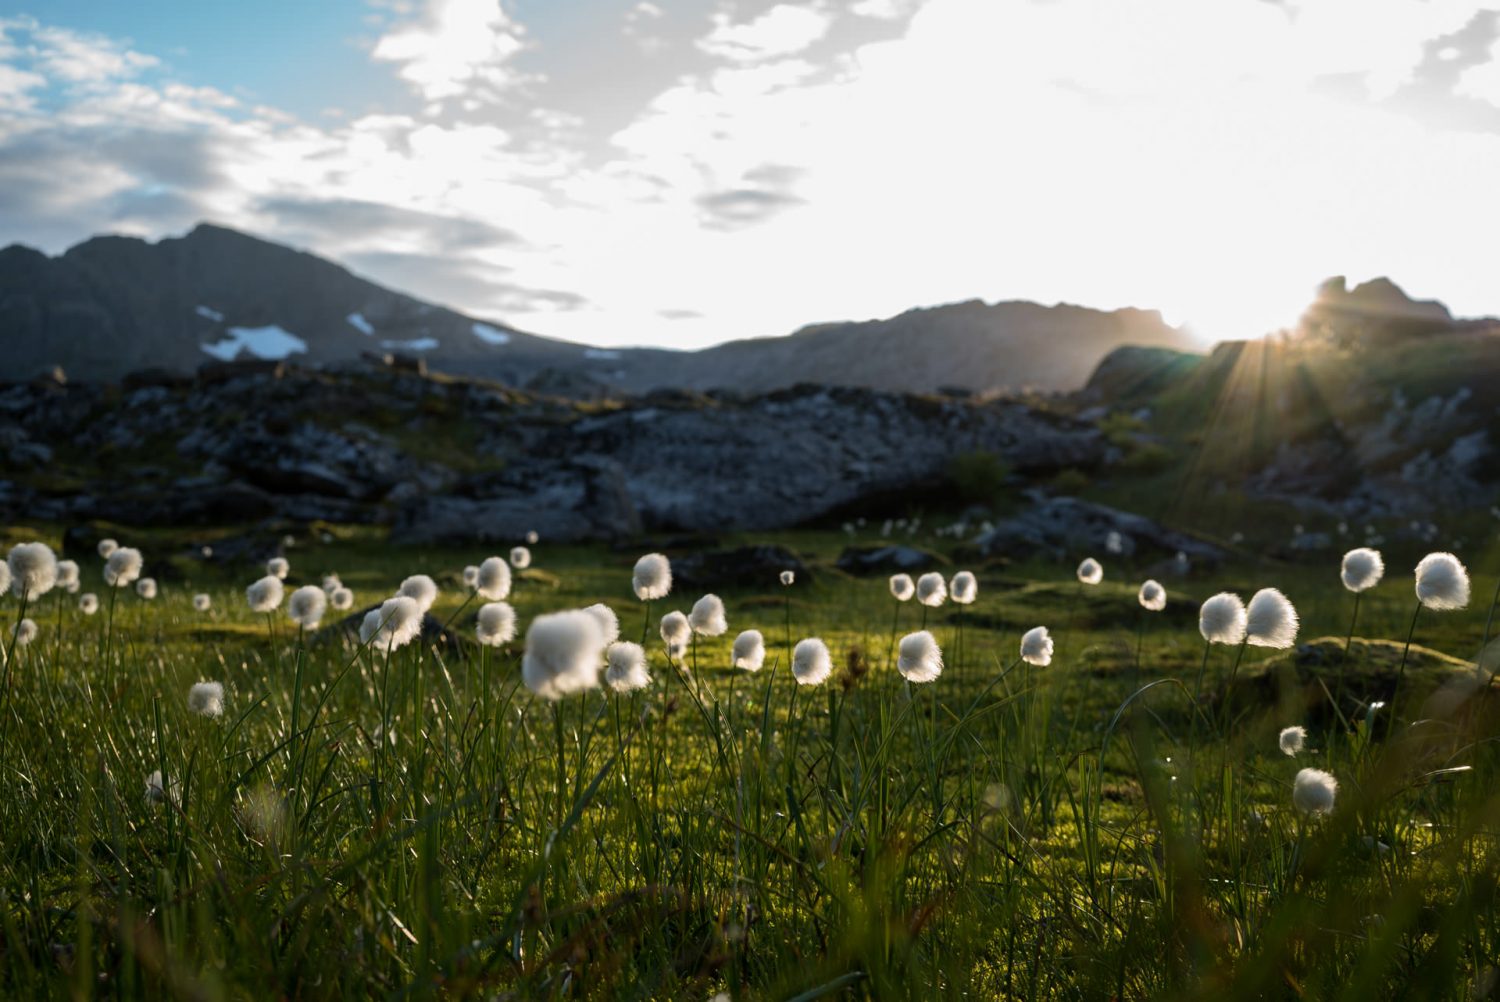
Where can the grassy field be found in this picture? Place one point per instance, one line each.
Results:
(358, 825)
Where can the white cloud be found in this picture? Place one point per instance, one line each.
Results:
(781, 31)
(456, 48)
(1482, 81)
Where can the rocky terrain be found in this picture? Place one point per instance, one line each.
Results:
(443, 459)
(116, 305)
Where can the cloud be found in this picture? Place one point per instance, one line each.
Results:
(783, 30)
(456, 49)
(366, 221)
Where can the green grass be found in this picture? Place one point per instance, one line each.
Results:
(355, 826)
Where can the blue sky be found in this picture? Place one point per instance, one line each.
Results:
(683, 172)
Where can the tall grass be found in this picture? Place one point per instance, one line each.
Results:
(417, 823)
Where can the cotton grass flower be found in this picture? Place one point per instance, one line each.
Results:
(563, 654)
(106, 547)
(1221, 619)
(1313, 791)
(749, 651)
(625, 667)
(652, 577)
(1036, 647)
(202, 602)
(146, 588)
(33, 570)
(493, 582)
(1291, 740)
(496, 624)
(1114, 543)
(932, 591)
(1090, 572)
(278, 568)
(88, 603)
(608, 622)
(471, 576)
(788, 578)
(396, 623)
(707, 617)
(25, 632)
(307, 605)
(1442, 582)
(331, 583)
(67, 575)
(902, 587)
(520, 558)
(421, 589)
(123, 566)
(1153, 597)
(206, 699)
(811, 662)
(964, 588)
(4, 576)
(156, 792)
(920, 660)
(1362, 569)
(532, 537)
(675, 633)
(266, 594)
(1270, 620)
(341, 598)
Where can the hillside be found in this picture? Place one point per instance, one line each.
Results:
(115, 305)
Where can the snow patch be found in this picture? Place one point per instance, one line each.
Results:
(415, 344)
(601, 353)
(490, 335)
(208, 314)
(359, 323)
(261, 342)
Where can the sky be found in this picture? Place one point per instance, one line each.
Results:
(685, 172)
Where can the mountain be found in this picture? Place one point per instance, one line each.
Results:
(114, 305)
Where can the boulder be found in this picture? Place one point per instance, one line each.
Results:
(1065, 527)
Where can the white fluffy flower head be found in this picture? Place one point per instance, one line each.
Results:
(493, 582)
(707, 618)
(932, 590)
(278, 568)
(1036, 647)
(471, 575)
(67, 574)
(265, 594)
(625, 667)
(1362, 569)
(1291, 739)
(496, 624)
(106, 547)
(341, 598)
(25, 632)
(1442, 582)
(202, 602)
(788, 578)
(307, 605)
(396, 623)
(1090, 572)
(122, 567)
(421, 589)
(520, 557)
(749, 651)
(1314, 791)
(1153, 596)
(920, 660)
(1270, 620)
(902, 587)
(33, 570)
(652, 577)
(1221, 619)
(146, 588)
(964, 587)
(563, 654)
(331, 583)
(88, 603)
(206, 699)
(811, 662)
(675, 632)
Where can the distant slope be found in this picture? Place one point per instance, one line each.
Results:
(113, 305)
(970, 345)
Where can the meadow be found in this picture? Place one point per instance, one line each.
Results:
(417, 822)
